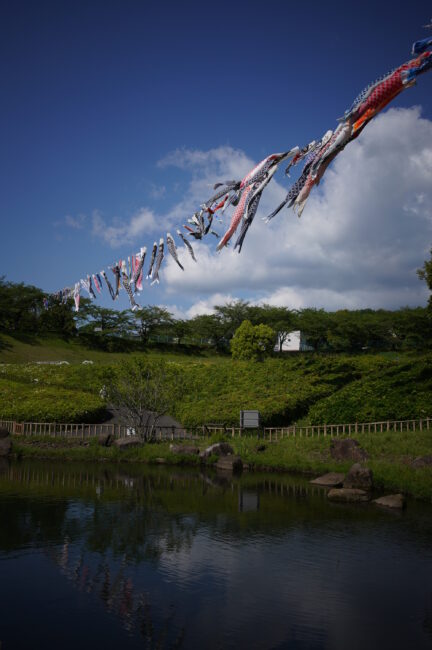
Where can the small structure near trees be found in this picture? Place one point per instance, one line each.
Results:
(291, 342)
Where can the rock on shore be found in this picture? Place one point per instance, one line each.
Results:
(347, 449)
(391, 501)
(359, 477)
(348, 495)
(331, 479)
(218, 449)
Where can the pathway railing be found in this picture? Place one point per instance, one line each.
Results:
(83, 431)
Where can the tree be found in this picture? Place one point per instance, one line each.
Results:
(106, 329)
(425, 273)
(210, 327)
(58, 318)
(144, 391)
(20, 307)
(314, 323)
(153, 320)
(252, 342)
(232, 314)
(280, 319)
(180, 329)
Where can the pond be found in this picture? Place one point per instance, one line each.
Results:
(125, 556)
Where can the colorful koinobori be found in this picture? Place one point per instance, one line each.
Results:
(244, 195)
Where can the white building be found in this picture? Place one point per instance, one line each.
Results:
(293, 342)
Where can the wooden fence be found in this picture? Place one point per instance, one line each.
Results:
(176, 433)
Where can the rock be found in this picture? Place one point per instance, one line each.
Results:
(422, 461)
(5, 446)
(347, 449)
(160, 461)
(347, 495)
(219, 449)
(359, 477)
(229, 464)
(105, 439)
(187, 450)
(128, 443)
(4, 433)
(332, 479)
(391, 501)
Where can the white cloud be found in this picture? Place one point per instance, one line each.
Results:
(358, 243)
(363, 233)
(77, 222)
(157, 191)
(120, 232)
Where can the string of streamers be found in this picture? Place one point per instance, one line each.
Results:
(244, 195)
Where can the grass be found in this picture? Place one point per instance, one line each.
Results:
(391, 454)
(14, 350)
(306, 388)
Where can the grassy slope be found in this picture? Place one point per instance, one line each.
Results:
(308, 387)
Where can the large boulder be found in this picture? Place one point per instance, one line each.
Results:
(359, 477)
(5, 446)
(128, 443)
(229, 464)
(4, 433)
(348, 495)
(186, 450)
(391, 501)
(422, 461)
(347, 449)
(218, 449)
(332, 479)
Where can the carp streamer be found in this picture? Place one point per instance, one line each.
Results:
(244, 195)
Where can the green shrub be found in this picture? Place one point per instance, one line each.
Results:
(27, 403)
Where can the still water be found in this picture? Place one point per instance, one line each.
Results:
(112, 556)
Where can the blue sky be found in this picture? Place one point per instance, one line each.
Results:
(116, 115)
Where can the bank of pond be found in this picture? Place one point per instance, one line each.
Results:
(399, 461)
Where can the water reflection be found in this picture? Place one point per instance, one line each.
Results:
(182, 558)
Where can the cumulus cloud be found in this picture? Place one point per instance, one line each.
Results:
(77, 222)
(363, 233)
(120, 232)
(157, 191)
(358, 244)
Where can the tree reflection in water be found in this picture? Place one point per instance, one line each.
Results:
(149, 543)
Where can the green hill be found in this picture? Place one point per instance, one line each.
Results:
(315, 388)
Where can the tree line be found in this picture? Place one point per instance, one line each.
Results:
(22, 313)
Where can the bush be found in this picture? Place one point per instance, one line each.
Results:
(252, 342)
(26, 403)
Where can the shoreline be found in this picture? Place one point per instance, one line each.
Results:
(391, 457)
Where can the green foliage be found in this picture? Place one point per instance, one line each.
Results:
(143, 391)
(281, 389)
(315, 387)
(151, 320)
(425, 273)
(25, 403)
(397, 390)
(252, 342)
